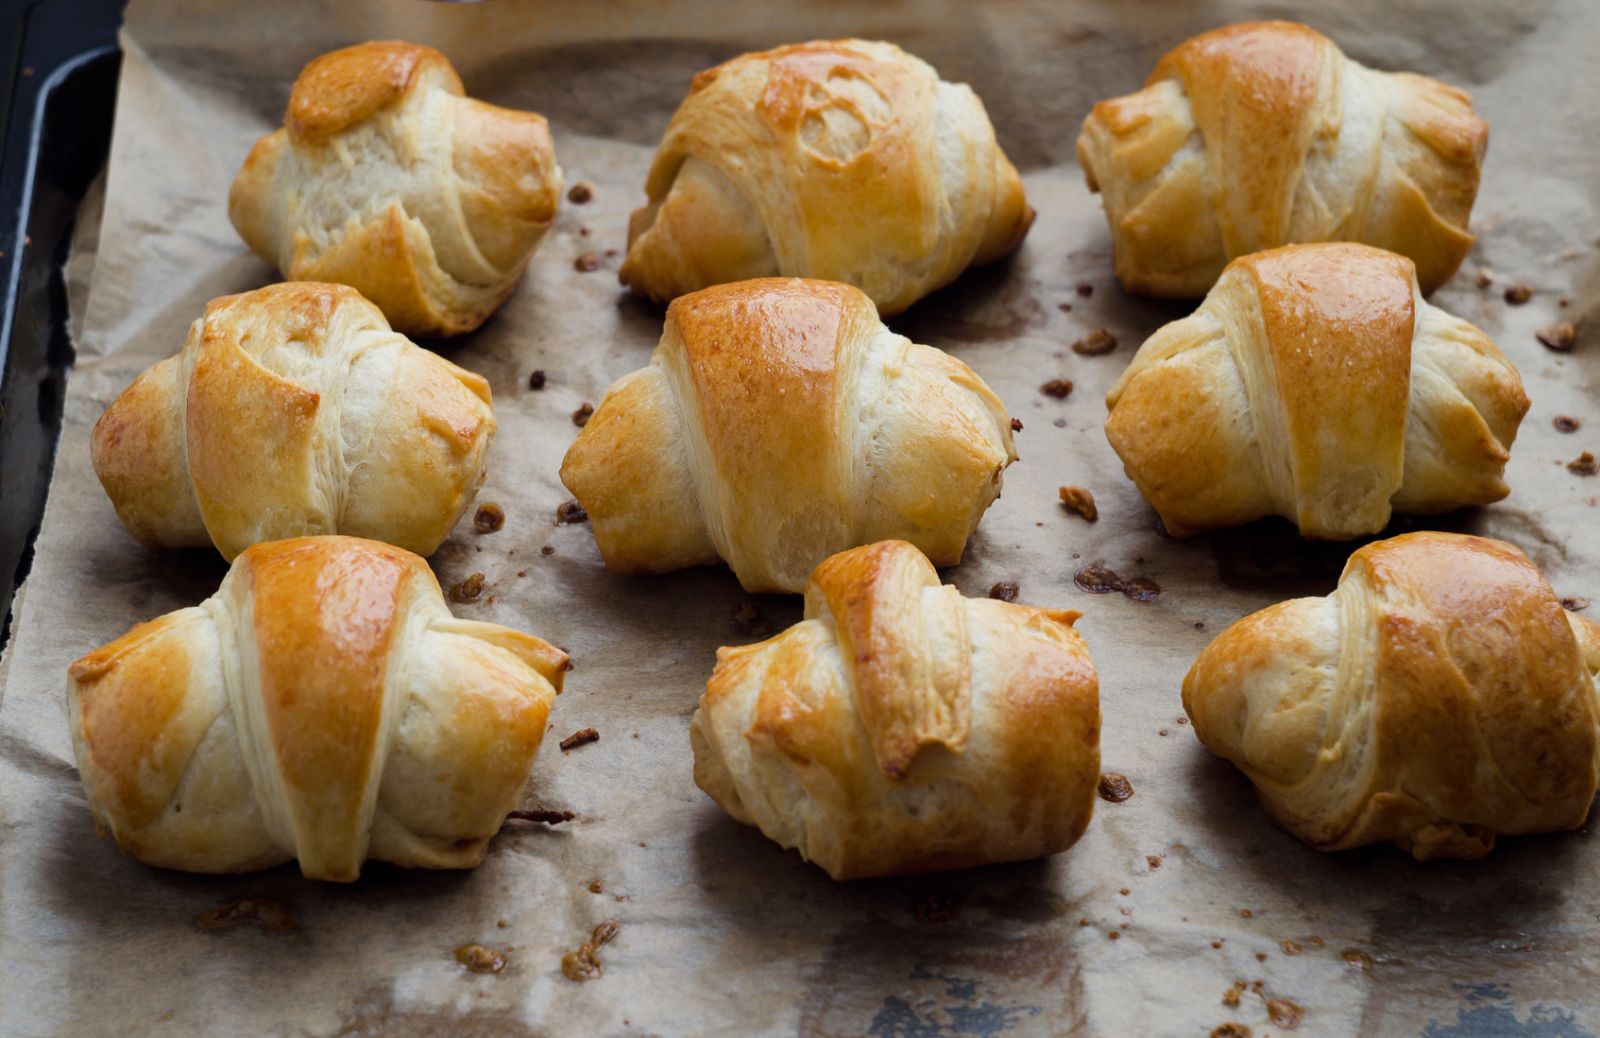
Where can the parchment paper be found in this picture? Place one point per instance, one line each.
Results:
(721, 932)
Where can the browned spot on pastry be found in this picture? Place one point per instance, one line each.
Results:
(1566, 423)
(1574, 605)
(580, 417)
(570, 512)
(1290, 947)
(537, 379)
(584, 963)
(1005, 591)
(1583, 465)
(1519, 293)
(1097, 580)
(490, 518)
(587, 262)
(751, 621)
(1230, 1030)
(1081, 501)
(1115, 788)
(1359, 959)
(1085, 289)
(1095, 343)
(580, 193)
(479, 959)
(1285, 1013)
(1059, 388)
(580, 737)
(249, 911)
(1230, 997)
(1559, 336)
(541, 814)
(469, 590)
(1016, 425)
(1485, 277)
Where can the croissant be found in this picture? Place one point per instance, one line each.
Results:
(386, 178)
(1439, 696)
(294, 410)
(778, 422)
(846, 160)
(901, 728)
(322, 705)
(1263, 134)
(1315, 383)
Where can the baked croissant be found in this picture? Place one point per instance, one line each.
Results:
(901, 728)
(1440, 696)
(322, 705)
(294, 409)
(1263, 134)
(846, 160)
(386, 178)
(1315, 383)
(778, 422)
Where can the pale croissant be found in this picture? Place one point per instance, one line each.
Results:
(1263, 134)
(902, 728)
(846, 160)
(324, 706)
(779, 422)
(294, 409)
(1439, 697)
(1315, 383)
(388, 179)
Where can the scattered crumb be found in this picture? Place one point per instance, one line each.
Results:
(1230, 997)
(1566, 423)
(1518, 293)
(1261, 956)
(469, 590)
(1574, 605)
(1059, 388)
(1290, 947)
(1359, 959)
(1115, 788)
(1563, 302)
(489, 518)
(1485, 277)
(569, 512)
(1154, 862)
(478, 959)
(537, 380)
(580, 737)
(1080, 500)
(580, 193)
(580, 417)
(1285, 1013)
(501, 923)
(1085, 289)
(751, 621)
(547, 550)
(587, 262)
(1095, 343)
(1559, 336)
(1005, 591)
(249, 911)
(1230, 1030)
(540, 814)
(584, 964)
(1583, 465)
(596, 887)
(1059, 423)
(1065, 308)
(1016, 425)
(1114, 935)
(1245, 913)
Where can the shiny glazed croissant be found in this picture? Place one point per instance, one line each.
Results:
(294, 409)
(846, 160)
(778, 422)
(386, 178)
(322, 705)
(1259, 135)
(1315, 383)
(902, 728)
(1440, 696)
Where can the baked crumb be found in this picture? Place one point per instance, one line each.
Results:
(1005, 591)
(537, 380)
(1114, 788)
(750, 620)
(584, 963)
(489, 518)
(580, 193)
(1079, 500)
(541, 814)
(1518, 293)
(478, 959)
(249, 911)
(1583, 465)
(469, 590)
(1485, 277)
(1059, 388)
(568, 512)
(1016, 425)
(1085, 289)
(596, 887)
(1566, 423)
(1230, 997)
(1095, 343)
(580, 417)
(1559, 336)
(581, 737)
(587, 262)
(1285, 1013)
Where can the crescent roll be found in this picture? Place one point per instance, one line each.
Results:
(387, 178)
(294, 409)
(1315, 383)
(779, 422)
(1439, 697)
(902, 728)
(846, 160)
(1263, 134)
(323, 706)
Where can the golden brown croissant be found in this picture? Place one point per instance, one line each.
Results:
(1315, 383)
(846, 160)
(386, 178)
(1263, 134)
(295, 410)
(322, 705)
(902, 728)
(778, 422)
(1438, 697)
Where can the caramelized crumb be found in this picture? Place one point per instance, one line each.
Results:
(581, 737)
(478, 959)
(1005, 591)
(1359, 959)
(469, 590)
(1290, 947)
(1566, 423)
(1245, 913)
(1095, 343)
(1583, 465)
(249, 911)
(1285, 1013)
(587, 262)
(1518, 293)
(1085, 289)
(1261, 956)
(584, 963)
(1230, 1030)
(1016, 425)
(1115, 788)
(490, 518)
(1559, 336)
(1097, 580)
(1059, 388)
(547, 550)
(1065, 308)
(1153, 861)
(1078, 499)
(596, 887)
(537, 379)
(1141, 589)
(1114, 935)
(580, 417)
(1485, 277)
(1230, 997)
(580, 193)
(569, 512)
(540, 814)
(1574, 605)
